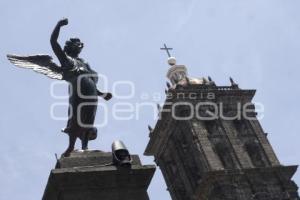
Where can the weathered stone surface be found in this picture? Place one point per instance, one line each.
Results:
(218, 159)
(91, 176)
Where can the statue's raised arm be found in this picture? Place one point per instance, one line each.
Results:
(43, 63)
(61, 55)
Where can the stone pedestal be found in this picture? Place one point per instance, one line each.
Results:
(90, 175)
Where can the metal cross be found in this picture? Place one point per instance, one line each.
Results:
(167, 50)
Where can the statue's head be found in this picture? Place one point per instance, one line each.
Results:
(73, 47)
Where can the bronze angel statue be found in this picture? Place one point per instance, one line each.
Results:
(83, 92)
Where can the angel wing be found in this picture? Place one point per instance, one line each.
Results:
(39, 63)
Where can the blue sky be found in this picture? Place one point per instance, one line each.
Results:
(257, 42)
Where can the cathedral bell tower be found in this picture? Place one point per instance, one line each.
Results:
(210, 145)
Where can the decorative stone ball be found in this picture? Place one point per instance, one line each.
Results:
(172, 61)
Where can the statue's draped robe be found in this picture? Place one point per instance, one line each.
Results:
(83, 97)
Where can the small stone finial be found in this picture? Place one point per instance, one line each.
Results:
(211, 82)
(150, 128)
(231, 81)
(172, 61)
(168, 85)
(56, 157)
(266, 134)
(233, 84)
(158, 107)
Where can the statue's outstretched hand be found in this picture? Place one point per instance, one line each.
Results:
(63, 22)
(107, 96)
